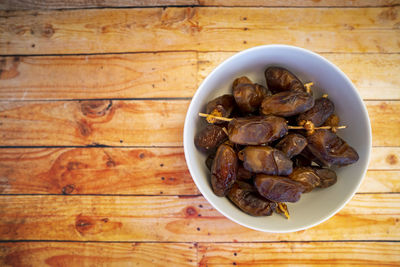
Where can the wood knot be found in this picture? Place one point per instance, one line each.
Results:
(190, 212)
(110, 163)
(170, 180)
(43, 30)
(86, 225)
(388, 14)
(392, 159)
(68, 189)
(83, 224)
(94, 109)
(9, 68)
(76, 165)
(84, 128)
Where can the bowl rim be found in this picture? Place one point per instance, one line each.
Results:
(187, 138)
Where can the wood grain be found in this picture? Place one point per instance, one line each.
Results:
(136, 171)
(136, 123)
(202, 29)
(157, 218)
(54, 4)
(150, 171)
(300, 3)
(287, 254)
(379, 122)
(99, 76)
(380, 181)
(97, 254)
(171, 74)
(374, 75)
(140, 123)
(385, 158)
(209, 254)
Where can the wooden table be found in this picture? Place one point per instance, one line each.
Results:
(93, 96)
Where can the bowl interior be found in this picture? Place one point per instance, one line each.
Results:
(320, 204)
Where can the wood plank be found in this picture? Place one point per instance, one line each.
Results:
(156, 218)
(381, 115)
(161, 75)
(374, 75)
(136, 171)
(136, 123)
(300, 3)
(150, 171)
(380, 181)
(210, 254)
(54, 4)
(99, 76)
(97, 254)
(141, 123)
(201, 29)
(310, 254)
(385, 158)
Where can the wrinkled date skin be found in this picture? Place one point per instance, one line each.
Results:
(256, 130)
(286, 104)
(278, 189)
(265, 159)
(307, 177)
(249, 96)
(319, 113)
(327, 177)
(243, 174)
(280, 79)
(246, 197)
(240, 80)
(223, 104)
(330, 149)
(223, 170)
(208, 139)
(292, 144)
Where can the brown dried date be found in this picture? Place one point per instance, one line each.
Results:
(256, 130)
(306, 176)
(223, 170)
(301, 161)
(246, 197)
(280, 79)
(243, 174)
(330, 149)
(292, 144)
(265, 159)
(240, 80)
(327, 177)
(208, 139)
(278, 189)
(319, 113)
(248, 97)
(286, 104)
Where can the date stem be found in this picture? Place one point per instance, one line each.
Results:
(209, 116)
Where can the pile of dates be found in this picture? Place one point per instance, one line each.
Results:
(257, 158)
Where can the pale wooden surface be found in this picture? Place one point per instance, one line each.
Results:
(79, 75)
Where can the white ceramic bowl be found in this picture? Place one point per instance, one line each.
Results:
(319, 205)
